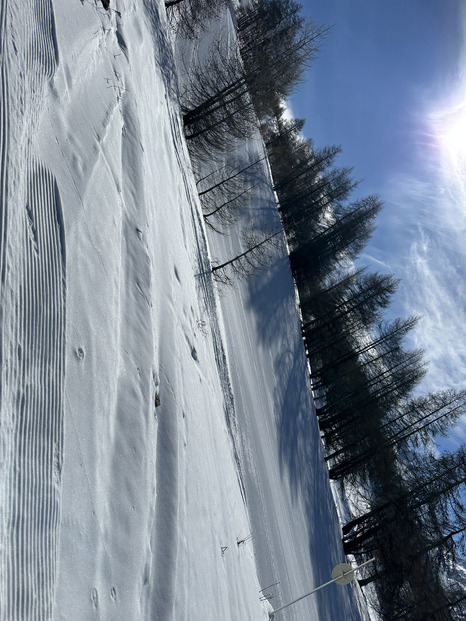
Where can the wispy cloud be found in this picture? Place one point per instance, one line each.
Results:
(366, 257)
(434, 285)
(427, 223)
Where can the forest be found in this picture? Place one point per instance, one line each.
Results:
(380, 436)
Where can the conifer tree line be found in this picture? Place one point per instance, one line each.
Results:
(380, 437)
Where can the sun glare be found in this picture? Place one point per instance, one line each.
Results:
(450, 132)
(453, 136)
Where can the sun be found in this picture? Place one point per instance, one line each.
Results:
(453, 136)
(450, 132)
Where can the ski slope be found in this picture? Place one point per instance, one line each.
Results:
(148, 424)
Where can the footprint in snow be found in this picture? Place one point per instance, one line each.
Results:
(95, 598)
(194, 354)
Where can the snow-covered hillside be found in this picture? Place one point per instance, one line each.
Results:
(148, 425)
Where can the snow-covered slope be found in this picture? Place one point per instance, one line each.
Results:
(112, 506)
(293, 516)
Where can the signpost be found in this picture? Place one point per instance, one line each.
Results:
(341, 574)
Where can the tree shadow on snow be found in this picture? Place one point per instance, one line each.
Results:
(271, 298)
(300, 451)
(163, 46)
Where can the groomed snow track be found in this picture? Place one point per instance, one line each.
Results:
(33, 322)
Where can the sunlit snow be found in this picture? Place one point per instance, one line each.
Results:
(160, 457)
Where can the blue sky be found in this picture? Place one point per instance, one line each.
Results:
(389, 86)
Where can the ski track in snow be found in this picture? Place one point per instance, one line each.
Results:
(33, 321)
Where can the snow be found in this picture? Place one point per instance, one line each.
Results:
(111, 507)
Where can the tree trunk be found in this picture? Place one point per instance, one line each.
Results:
(245, 253)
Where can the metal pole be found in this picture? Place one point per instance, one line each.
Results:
(345, 573)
